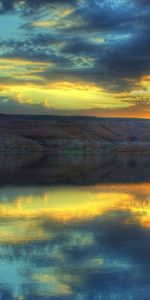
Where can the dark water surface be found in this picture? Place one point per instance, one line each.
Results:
(75, 227)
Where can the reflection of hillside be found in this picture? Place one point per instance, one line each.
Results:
(74, 169)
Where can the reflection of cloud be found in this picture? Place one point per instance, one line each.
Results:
(75, 242)
(26, 213)
(94, 256)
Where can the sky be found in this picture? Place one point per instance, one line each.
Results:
(75, 57)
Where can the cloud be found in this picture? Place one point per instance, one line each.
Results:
(9, 5)
(12, 106)
(106, 43)
(139, 108)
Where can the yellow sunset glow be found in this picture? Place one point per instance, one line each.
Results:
(17, 61)
(26, 80)
(58, 94)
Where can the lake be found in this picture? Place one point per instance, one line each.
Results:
(75, 227)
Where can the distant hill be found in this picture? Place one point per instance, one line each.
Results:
(28, 133)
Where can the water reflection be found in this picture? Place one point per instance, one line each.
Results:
(79, 169)
(75, 242)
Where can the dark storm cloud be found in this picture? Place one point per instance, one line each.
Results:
(72, 44)
(36, 48)
(36, 3)
(8, 5)
(102, 15)
(125, 53)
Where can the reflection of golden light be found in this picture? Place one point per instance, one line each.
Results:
(55, 285)
(63, 205)
(22, 231)
(25, 213)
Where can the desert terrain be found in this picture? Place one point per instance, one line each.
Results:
(47, 134)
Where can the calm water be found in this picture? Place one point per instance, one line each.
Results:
(75, 228)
